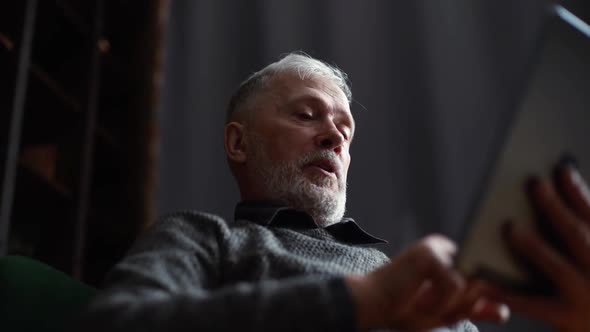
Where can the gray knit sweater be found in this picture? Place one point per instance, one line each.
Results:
(272, 269)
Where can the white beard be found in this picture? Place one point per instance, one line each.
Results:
(286, 182)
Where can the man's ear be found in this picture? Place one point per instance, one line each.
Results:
(234, 142)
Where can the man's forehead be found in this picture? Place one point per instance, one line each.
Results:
(313, 98)
(315, 87)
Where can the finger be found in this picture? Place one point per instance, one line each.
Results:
(545, 259)
(444, 296)
(465, 307)
(425, 299)
(575, 189)
(485, 308)
(446, 281)
(407, 278)
(412, 317)
(435, 265)
(416, 270)
(574, 233)
(441, 247)
(426, 310)
(541, 308)
(453, 292)
(490, 311)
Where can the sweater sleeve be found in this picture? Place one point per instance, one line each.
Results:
(172, 281)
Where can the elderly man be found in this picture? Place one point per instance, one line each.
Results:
(289, 261)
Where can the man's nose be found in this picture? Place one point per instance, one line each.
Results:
(330, 138)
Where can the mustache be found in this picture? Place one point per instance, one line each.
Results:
(319, 155)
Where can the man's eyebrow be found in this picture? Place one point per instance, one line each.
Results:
(315, 100)
(306, 99)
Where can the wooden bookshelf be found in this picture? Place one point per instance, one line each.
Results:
(76, 155)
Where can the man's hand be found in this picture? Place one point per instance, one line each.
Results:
(419, 290)
(565, 205)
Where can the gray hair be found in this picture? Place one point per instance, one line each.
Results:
(304, 65)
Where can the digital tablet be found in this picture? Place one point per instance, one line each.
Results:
(551, 119)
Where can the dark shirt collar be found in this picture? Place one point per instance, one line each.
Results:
(277, 214)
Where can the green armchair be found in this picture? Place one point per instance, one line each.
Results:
(37, 297)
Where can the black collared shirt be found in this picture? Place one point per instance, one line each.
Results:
(271, 269)
(276, 214)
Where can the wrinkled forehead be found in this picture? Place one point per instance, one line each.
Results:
(290, 86)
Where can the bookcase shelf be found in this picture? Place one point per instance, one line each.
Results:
(83, 165)
(53, 106)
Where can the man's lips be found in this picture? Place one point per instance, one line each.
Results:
(326, 166)
(321, 170)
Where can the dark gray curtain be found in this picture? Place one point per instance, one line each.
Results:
(432, 83)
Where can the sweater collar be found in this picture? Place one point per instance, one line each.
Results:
(277, 214)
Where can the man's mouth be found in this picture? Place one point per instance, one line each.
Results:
(326, 166)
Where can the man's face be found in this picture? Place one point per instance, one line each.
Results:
(300, 137)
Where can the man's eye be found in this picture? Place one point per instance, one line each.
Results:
(345, 135)
(304, 116)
